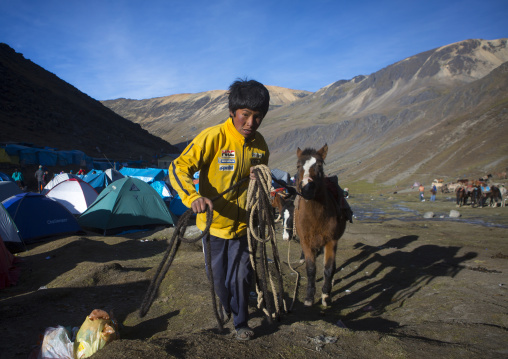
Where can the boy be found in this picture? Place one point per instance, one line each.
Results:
(224, 154)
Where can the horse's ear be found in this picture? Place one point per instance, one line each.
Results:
(298, 152)
(323, 151)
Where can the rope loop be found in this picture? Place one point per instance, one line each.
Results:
(261, 230)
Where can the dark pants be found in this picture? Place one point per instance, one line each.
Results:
(232, 274)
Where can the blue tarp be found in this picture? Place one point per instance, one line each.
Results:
(64, 158)
(28, 156)
(47, 158)
(13, 150)
(147, 175)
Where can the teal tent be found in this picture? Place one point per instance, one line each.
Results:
(126, 204)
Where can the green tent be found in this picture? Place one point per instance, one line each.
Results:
(126, 204)
(5, 158)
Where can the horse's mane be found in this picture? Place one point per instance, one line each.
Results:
(309, 152)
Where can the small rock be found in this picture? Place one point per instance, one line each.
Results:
(428, 215)
(454, 213)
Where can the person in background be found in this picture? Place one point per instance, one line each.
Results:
(39, 175)
(346, 192)
(45, 178)
(80, 172)
(421, 189)
(18, 177)
(433, 192)
(225, 154)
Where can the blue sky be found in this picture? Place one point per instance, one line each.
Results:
(143, 49)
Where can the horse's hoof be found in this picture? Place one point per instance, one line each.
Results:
(308, 303)
(325, 300)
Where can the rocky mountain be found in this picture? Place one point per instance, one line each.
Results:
(39, 108)
(438, 114)
(179, 118)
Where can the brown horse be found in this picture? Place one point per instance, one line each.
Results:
(319, 220)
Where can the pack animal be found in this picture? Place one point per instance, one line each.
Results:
(319, 220)
(278, 201)
(494, 195)
(476, 196)
(462, 195)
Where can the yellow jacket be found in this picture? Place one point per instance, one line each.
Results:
(223, 157)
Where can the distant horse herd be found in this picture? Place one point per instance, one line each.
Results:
(480, 193)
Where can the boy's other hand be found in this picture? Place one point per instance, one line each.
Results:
(199, 205)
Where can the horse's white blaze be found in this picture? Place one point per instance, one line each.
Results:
(285, 234)
(306, 170)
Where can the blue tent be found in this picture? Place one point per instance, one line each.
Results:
(176, 205)
(281, 176)
(162, 189)
(4, 177)
(38, 216)
(101, 179)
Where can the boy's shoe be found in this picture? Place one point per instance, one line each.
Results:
(244, 333)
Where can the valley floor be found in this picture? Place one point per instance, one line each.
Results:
(405, 287)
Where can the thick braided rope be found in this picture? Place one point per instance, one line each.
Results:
(260, 215)
(169, 255)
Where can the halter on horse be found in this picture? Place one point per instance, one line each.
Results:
(319, 220)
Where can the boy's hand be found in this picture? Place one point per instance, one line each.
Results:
(252, 175)
(199, 205)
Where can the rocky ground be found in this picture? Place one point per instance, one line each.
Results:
(406, 287)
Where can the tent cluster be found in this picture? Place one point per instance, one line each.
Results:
(106, 202)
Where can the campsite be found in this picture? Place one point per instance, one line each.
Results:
(405, 287)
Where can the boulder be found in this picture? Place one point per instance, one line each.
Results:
(454, 213)
(428, 215)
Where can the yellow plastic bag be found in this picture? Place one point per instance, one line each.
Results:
(97, 330)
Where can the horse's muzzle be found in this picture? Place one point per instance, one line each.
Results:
(309, 191)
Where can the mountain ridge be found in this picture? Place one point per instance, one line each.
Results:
(394, 109)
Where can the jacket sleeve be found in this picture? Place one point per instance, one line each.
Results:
(181, 171)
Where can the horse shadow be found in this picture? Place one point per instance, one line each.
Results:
(392, 277)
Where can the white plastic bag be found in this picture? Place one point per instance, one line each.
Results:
(56, 344)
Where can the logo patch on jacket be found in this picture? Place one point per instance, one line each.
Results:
(227, 168)
(257, 155)
(226, 160)
(228, 153)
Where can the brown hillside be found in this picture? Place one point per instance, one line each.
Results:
(39, 108)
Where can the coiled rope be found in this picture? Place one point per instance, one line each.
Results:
(261, 230)
(259, 216)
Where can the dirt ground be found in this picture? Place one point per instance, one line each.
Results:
(406, 287)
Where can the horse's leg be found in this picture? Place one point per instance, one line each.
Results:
(329, 271)
(310, 264)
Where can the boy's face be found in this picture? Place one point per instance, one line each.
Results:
(246, 121)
